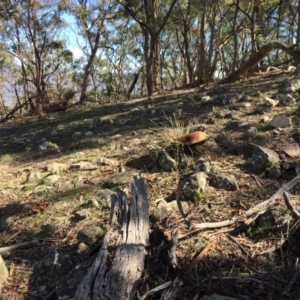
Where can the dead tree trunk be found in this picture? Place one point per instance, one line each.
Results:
(120, 262)
(254, 59)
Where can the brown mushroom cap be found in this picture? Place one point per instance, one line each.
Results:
(194, 138)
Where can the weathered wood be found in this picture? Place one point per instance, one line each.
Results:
(120, 262)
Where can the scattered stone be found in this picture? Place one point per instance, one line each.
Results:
(266, 219)
(56, 168)
(286, 99)
(263, 158)
(202, 165)
(274, 173)
(82, 248)
(51, 179)
(109, 162)
(3, 271)
(223, 140)
(198, 181)
(77, 133)
(166, 162)
(88, 133)
(198, 127)
(234, 114)
(222, 113)
(91, 203)
(95, 123)
(120, 179)
(44, 146)
(291, 86)
(270, 102)
(90, 235)
(164, 208)
(82, 215)
(261, 109)
(54, 133)
(244, 125)
(205, 99)
(265, 119)
(251, 133)
(280, 121)
(224, 181)
(104, 196)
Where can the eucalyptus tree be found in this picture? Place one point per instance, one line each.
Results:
(32, 36)
(152, 16)
(92, 21)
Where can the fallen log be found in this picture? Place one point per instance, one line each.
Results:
(120, 261)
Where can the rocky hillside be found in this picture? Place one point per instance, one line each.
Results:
(238, 189)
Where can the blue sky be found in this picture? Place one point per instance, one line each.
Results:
(69, 35)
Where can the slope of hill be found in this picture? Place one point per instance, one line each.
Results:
(58, 171)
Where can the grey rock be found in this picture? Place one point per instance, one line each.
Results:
(286, 99)
(291, 86)
(220, 100)
(54, 133)
(234, 115)
(251, 133)
(51, 179)
(223, 140)
(266, 219)
(90, 234)
(280, 121)
(224, 181)
(56, 168)
(103, 196)
(77, 133)
(222, 113)
(164, 208)
(198, 181)
(91, 203)
(198, 127)
(120, 179)
(166, 162)
(95, 123)
(261, 109)
(263, 158)
(82, 214)
(106, 161)
(3, 271)
(202, 165)
(274, 173)
(88, 133)
(205, 99)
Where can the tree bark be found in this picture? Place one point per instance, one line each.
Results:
(255, 58)
(114, 276)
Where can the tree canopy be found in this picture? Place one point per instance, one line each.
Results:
(136, 47)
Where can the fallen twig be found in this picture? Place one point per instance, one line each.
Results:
(212, 225)
(291, 282)
(157, 289)
(203, 253)
(289, 205)
(13, 247)
(261, 206)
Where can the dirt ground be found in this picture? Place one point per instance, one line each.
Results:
(244, 260)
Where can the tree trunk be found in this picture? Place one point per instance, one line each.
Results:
(201, 63)
(87, 69)
(254, 59)
(115, 276)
